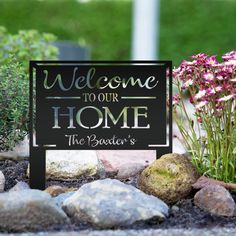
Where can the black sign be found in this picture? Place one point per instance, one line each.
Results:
(98, 105)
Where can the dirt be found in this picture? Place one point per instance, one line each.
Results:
(182, 215)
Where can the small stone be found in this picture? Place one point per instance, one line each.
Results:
(55, 190)
(19, 186)
(58, 200)
(130, 170)
(2, 181)
(29, 210)
(170, 178)
(110, 203)
(216, 200)
(174, 208)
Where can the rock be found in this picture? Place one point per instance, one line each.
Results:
(115, 160)
(19, 186)
(110, 203)
(215, 199)
(72, 164)
(2, 181)
(109, 169)
(29, 210)
(174, 208)
(170, 178)
(204, 181)
(19, 152)
(58, 200)
(55, 190)
(130, 170)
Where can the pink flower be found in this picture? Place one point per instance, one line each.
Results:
(188, 83)
(201, 104)
(199, 56)
(218, 89)
(185, 63)
(200, 94)
(211, 92)
(211, 61)
(226, 98)
(219, 77)
(229, 55)
(199, 119)
(208, 77)
(230, 62)
(176, 99)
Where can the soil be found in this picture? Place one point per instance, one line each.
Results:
(183, 215)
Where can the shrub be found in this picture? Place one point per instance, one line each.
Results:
(15, 53)
(25, 46)
(13, 104)
(211, 135)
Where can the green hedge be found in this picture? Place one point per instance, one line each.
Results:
(187, 26)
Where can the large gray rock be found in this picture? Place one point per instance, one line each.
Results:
(2, 181)
(215, 199)
(109, 203)
(19, 187)
(29, 209)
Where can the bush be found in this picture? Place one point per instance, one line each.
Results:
(25, 46)
(13, 104)
(15, 53)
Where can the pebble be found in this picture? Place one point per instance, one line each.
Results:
(2, 182)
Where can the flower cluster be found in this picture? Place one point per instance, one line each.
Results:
(208, 80)
(210, 133)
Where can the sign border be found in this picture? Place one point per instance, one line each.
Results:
(37, 153)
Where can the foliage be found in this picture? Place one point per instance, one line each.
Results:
(25, 46)
(15, 53)
(13, 104)
(186, 26)
(211, 135)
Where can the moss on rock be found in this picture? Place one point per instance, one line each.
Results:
(170, 178)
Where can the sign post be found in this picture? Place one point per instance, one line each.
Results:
(96, 105)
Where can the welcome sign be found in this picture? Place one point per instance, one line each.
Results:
(98, 105)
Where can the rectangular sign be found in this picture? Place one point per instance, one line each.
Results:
(99, 105)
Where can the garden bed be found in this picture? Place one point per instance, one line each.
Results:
(183, 214)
